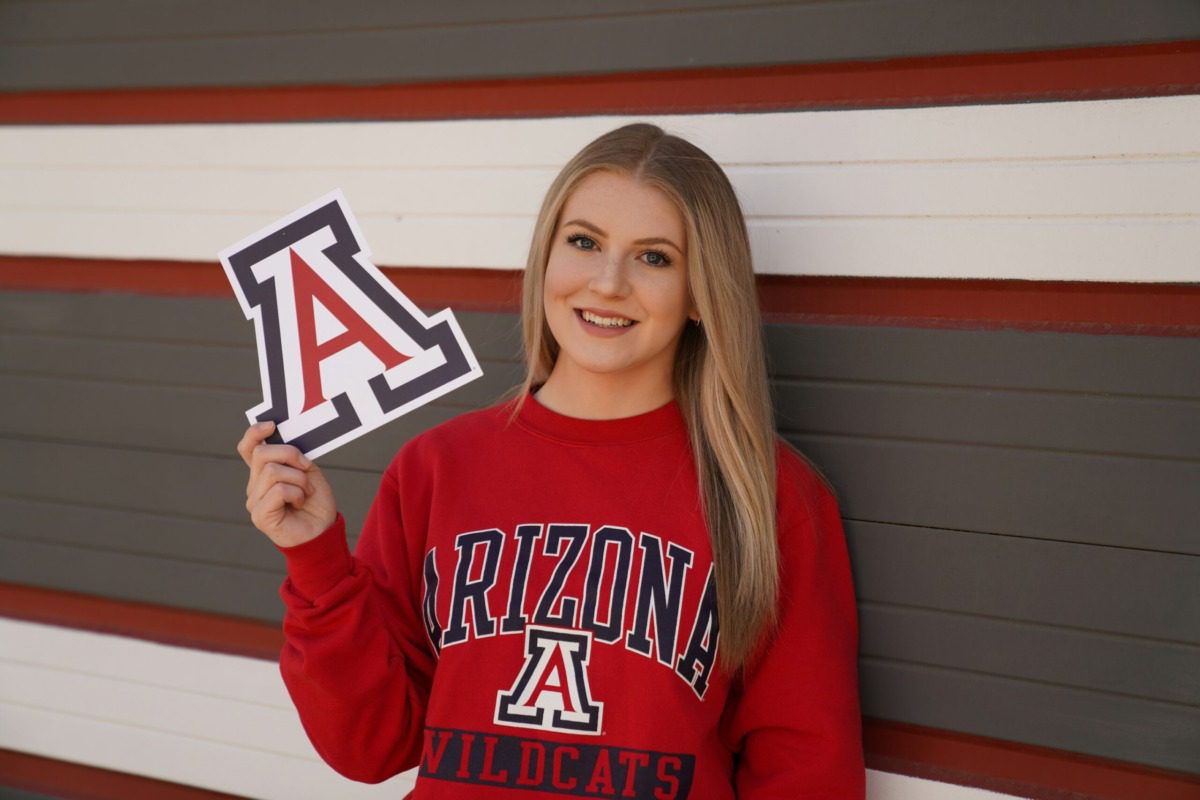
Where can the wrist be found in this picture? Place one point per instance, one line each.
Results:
(315, 565)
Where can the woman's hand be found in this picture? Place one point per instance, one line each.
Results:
(287, 496)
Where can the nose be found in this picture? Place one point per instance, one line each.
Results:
(610, 278)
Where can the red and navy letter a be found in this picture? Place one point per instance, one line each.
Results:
(551, 691)
(341, 350)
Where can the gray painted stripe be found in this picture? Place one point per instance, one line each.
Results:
(187, 420)
(198, 487)
(9, 793)
(1017, 579)
(130, 390)
(1009, 418)
(916, 470)
(1104, 589)
(1112, 726)
(1142, 366)
(168, 536)
(136, 44)
(128, 576)
(1138, 667)
(1049, 582)
(1122, 502)
(178, 320)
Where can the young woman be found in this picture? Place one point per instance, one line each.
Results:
(620, 583)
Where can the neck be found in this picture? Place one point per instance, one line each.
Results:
(591, 396)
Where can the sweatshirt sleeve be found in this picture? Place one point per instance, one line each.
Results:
(794, 714)
(355, 660)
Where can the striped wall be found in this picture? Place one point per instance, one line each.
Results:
(996, 598)
(221, 722)
(984, 323)
(140, 43)
(1014, 581)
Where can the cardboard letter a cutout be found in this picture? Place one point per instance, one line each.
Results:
(341, 350)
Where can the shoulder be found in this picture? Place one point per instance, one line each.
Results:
(798, 480)
(808, 521)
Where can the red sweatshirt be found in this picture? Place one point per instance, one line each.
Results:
(530, 612)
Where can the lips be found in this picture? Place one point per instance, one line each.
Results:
(603, 319)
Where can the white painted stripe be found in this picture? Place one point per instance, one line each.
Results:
(886, 786)
(1103, 190)
(215, 721)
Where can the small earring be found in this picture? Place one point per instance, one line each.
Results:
(697, 322)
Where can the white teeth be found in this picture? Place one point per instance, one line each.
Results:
(606, 322)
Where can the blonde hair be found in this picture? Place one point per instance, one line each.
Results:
(719, 376)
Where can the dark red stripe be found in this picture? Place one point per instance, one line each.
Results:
(1155, 309)
(1040, 773)
(1066, 74)
(175, 626)
(1077, 306)
(56, 778)
(901, 748)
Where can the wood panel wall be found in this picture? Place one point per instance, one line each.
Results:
(142, 43)
(1021, 506)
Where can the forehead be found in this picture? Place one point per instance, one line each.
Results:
(622, 205)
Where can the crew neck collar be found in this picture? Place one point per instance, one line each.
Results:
(664, 420)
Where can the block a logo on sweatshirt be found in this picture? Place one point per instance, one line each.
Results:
(551, 691)
(341, 350)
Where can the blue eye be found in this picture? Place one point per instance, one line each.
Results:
(582, 242)
(657, 258)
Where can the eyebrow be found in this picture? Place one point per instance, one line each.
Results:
(583, 223)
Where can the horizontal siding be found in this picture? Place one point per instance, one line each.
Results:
(215, 721)
(949, 190)
(1015, 492)
(1084, 424)
(1159, 734)
(170, 581)
(1104, 190)
(218, 722)
(1102, 366)
(1029, 580)
(139, 44)
(1134, 666)
(201, 543)
(994, 485)
(48, 406)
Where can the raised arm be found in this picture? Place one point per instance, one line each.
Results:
(354, 661)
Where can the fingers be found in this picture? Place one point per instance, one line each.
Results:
(253, 437)
(270, 510)
(266, 478)
(264, 454)
(272, 465)
(287, 496)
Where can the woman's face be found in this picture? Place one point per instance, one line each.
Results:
(616, 286)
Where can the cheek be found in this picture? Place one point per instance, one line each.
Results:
(670, 298)
(558, 279)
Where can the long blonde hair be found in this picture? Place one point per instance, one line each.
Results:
(719, 376)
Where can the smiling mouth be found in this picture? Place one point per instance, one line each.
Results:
(604, 322)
